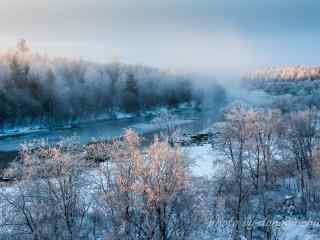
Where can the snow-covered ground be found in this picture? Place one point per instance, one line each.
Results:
(297, 230)
(203, 158)
(204, 165)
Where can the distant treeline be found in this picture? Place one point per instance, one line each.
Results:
(35, 87)
(294, 87)
(293, 73)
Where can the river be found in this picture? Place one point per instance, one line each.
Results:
(108, 129)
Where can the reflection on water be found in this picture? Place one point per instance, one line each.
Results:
(102, 130)
(85, 132)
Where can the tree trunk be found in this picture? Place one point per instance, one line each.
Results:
(248, 232)
(162, 222)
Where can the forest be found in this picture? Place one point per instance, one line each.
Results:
(38, 90)
(293, 88)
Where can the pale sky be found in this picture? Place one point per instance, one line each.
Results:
(201, 35)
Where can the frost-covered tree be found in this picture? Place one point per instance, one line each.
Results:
(147, 193)
(130, 97)
(59, 90)
(234, 138)
(48, 201)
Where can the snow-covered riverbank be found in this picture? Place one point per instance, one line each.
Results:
(12, 131)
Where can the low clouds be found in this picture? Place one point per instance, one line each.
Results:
(203, 35)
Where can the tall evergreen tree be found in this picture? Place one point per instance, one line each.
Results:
(131, 94)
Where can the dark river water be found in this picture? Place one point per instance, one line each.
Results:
(85, 132)
(194, 121)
